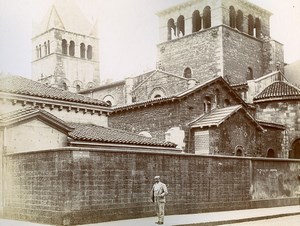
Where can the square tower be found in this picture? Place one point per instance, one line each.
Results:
(202, 39)
(65, 49)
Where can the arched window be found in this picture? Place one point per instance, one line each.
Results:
(48, 47)
(109, 99)
(78, 88)
(64, 86)
(232, 17)
(239, 152)
(171, 29)
(249, 73)
(82, 50)
(109, 102)
(64, 46)
(207, 104)
(72, 48)
(206, 17)
(196, 21)
(295, 152)
(239, 20)
(180, 26)
(45, 48)
(271, 153)
(226, 102)
(250, 25)
(89, 52)
(257, 28)
(187, 73)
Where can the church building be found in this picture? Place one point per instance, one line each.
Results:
(65, 49)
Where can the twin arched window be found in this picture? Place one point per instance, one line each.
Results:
(236, 20)
(83, 51)
(46, 51)
(178, 29)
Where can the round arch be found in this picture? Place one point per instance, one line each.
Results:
(239, 150)
(295, 149)
(157, 92)
(109, 99)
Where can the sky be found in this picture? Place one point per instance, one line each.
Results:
(128, 32)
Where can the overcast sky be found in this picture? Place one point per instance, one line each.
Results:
(128, 31)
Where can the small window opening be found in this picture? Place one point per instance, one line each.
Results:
(48, 47)
(89, 52)
(206, 17)
(239, 152)
(249, 73)
(45, 48)
(271, 153)
(250, 25)
(207, 104)
(239, 20)
(78, 88)
(180, 26)
(109, 102)
(232, 17)
(226, 102)
(257, 28)
(64, 86)
(187, 73)
(171, 29)
(82, 50)
(157, 96)
(72, 48)
(196, 21)
(64, 46)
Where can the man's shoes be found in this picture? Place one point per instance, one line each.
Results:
(159, 222)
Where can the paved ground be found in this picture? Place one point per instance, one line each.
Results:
(213, 218)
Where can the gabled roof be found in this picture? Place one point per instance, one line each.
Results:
(279, 90)
(217, 116)
(28, 113)
(24, 86)
(152, 73)
(179, 95)
(65, 15)
(92, 133)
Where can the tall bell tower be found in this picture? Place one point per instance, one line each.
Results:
(202, 39)
(65, 49)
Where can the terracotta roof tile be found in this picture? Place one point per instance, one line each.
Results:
(21, 85)
(279, 90)
(92, 133)
(217, 116)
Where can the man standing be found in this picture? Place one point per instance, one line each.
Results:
(158, 193)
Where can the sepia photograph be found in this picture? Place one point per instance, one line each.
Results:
(149, 112)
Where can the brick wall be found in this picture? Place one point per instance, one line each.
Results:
(78, 186)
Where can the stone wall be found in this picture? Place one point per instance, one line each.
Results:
(77, 186)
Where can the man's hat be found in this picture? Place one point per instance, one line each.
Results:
(157, 177)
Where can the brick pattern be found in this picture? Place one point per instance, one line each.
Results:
(78, 186)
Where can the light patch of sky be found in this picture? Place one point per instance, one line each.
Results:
(128, 32)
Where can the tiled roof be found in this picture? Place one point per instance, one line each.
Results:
(30, 112)
(279, 90)
(271, 124)
(92, 133)
(175, 96)
(218, 116)
(24, 86)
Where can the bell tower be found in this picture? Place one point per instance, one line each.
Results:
(65, 49)
(202, 39)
